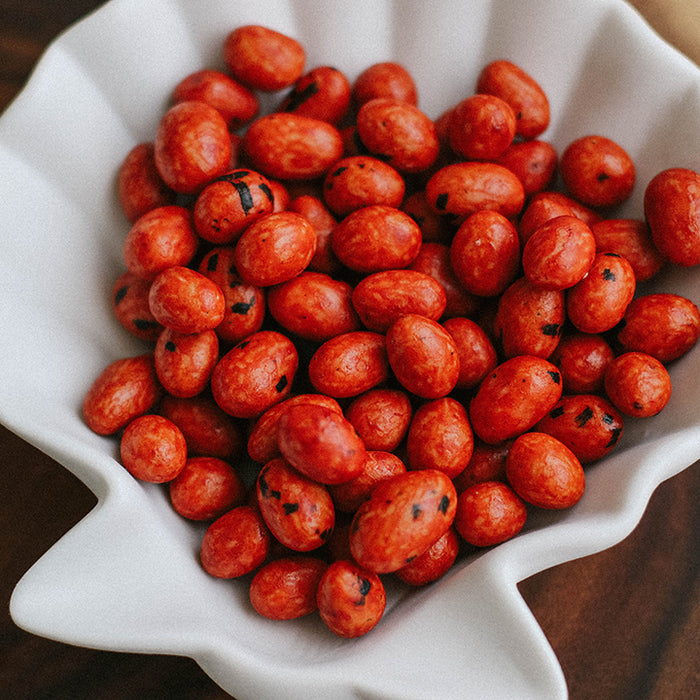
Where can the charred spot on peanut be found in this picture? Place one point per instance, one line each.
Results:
(265, 489)
(444, 504)
(416, 511)
(120, 294)
(298, 97)
(282, 383)
(551, 329)
(614, 437)
(557, 412)
(556, 377)
(242, 307)
(582, 418)
(290, 508)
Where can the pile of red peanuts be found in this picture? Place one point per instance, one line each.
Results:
(374, 339)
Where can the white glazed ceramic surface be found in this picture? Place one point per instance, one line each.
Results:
(127, 576)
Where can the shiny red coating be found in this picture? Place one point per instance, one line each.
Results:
(262, 435)
(185, 361)
(513, 397)
(320, 443)
(322, 93)
(245, 304)
(485, 253)
(477, 355)
(235, 544)
(376, 237)
(378, 466)
(529, 319)
(161, 238)
(262, 58)
(461, 189)
(398, 133)
(230, 203)
(404, 516)
(599, 301)
(434, 563)
(124, 389)
(208, 430)
(314, 306)
(534, 162)
(313, 209)
(588, 424)
(488, 463)
(544, 472)
(440, 437)
(285, 589)
(513, 84)
(236, 103)
(481, 127)
(351, 600)
(359, 181)
(275, 248)
(350, 364)
(434, 259)
(289, 146)
(192, 146)
(559, 253)
(489, 513)
(206, 488)
(186, 301)
(638, 384)
(140, 186)
(672, 211)
(385, 79)
(423, 356)
(597, 171)
(661, 324)
(582, 359)
(381, 298)
(632, 239)
(255, 374)
(131, 309)
(381, 417)
(298, 510)
(153, 449)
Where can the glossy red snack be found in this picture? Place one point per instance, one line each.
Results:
(320, 443)
(192, 146)
(588, 424)
(285, 589)
(582, 359)
(186, 301)
(597, 171)
(672, 211)
(351, 600)
(434, 563)
(131, 309)
(513, 397)
(349, 364)
(440, 437)
(477, 355)
(423, 356)
(153, 449)
(124, 389)
(262, 58)
(545, 472)
(637, 384)
(298, 510)
(423, 505)
(255, 374)
(206, 488)
(381, 417)
(161, 238)
(235, 544)
(384, 79)
(140, 186)
(489, 513)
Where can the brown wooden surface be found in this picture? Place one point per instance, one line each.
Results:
(624, 623)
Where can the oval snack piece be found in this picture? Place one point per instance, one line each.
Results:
(672, 211)
(404, 516)
(511, 399)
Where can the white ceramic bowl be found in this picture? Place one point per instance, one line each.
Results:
(127, 576)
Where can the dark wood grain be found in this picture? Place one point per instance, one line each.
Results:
(624, 623)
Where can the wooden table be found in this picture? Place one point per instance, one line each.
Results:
(624, 623)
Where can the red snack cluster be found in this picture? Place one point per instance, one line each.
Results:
(376, 341)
